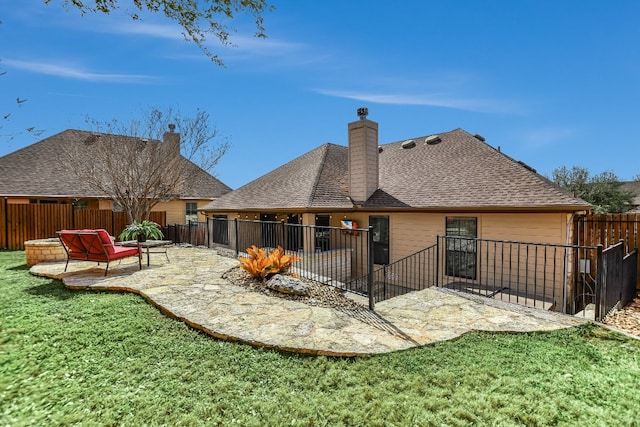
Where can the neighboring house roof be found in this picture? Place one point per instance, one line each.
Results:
(35, 171)
(632, 187)
(459, 172)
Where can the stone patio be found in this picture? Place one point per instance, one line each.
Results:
(190, 288)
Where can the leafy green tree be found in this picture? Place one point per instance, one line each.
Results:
(198, 19)
(602, 191)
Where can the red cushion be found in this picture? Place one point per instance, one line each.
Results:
(105, 239)
(92, 243)
(71, 240)
(123, 252)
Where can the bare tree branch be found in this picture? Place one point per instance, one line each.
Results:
(141, 163)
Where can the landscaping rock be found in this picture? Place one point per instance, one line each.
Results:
(288, 285)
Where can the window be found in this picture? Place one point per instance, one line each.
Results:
(461, 233)
(192, 212)
(323, 235)
(380, 226)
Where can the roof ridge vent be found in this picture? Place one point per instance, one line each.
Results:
(432, 140)
(479, 137)
(409, 143)
(526, 166)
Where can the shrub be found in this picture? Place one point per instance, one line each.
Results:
(261, 266)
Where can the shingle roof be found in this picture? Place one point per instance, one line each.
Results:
(316, 179)
(632, 187)
(460, 172)
(34, 171)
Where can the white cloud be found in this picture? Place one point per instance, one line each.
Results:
(433, 100)
(66, 71)
(544, 137)
(141, 28)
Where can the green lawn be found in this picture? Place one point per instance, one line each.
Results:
(89, 358)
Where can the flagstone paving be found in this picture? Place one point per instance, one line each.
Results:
(190, 288)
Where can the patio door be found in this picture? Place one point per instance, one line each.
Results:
(323, 235)
(461, 234)
(380, 226)
(269, 228)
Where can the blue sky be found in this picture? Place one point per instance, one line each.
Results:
(552, 83)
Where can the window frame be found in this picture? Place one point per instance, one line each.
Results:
(461, 254)
(192, 215)
(381, 244)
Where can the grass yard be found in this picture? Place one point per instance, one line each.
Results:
(106, 359)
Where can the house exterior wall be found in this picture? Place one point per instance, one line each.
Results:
(177, 209)
(414, 231)
(411, 232)
(88, 203)
(105, 204)
(536, 272)
(17, 201)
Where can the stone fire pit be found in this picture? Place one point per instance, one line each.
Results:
(44, 250)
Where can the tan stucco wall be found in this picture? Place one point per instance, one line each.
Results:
(177, 210)
(105, 204)
(15, 201)
(411, 232)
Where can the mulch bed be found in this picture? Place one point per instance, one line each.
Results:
(320, 295)
(627, 319)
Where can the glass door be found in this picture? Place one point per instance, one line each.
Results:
(380, 230)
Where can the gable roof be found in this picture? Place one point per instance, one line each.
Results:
(459, 172)
(34, 171)
(316, 179)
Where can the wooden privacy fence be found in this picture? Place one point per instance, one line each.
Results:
(608, 230)
(19, 223)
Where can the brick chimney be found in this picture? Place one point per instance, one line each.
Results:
(172, 140)
(363, 158)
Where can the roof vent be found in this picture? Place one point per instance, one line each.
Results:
(432, 140)
(479, 137)
(409, 143)
(89, 140)
(380, 149)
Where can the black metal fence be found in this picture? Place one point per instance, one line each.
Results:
(194, 233)
(564, 278)
(330, 255)
(538, 275)
(415, 272)
(547, 276)
(619, 274)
